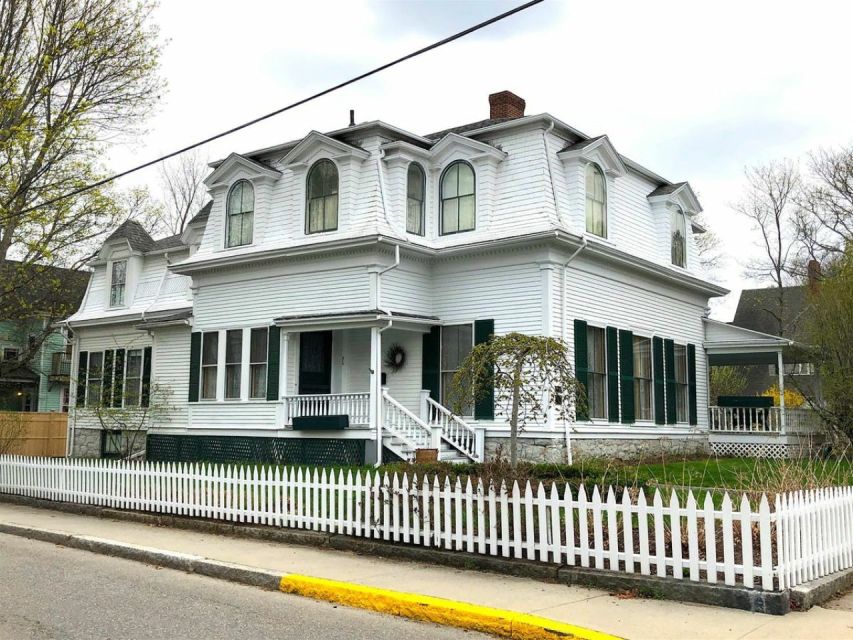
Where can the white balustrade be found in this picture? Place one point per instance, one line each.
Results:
(454, 430)
(404, 424)
(354, 405)
(762, 420)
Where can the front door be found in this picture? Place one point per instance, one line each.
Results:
(315, 362)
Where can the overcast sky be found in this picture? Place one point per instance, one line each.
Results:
(692, 91)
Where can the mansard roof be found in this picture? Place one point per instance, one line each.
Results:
(135, 234)
(234, 161)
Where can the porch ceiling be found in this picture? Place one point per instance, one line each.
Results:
(356, 319)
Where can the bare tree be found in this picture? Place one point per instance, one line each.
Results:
(183, 190)
(709, 247)
(769, 203)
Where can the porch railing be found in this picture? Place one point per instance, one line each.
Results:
(762, 420)
(405, 425)
(354, 405)
(453, 429)
(60, 365)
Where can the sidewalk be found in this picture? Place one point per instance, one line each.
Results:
(628, 618)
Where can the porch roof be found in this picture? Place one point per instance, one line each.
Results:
(728, 344)
(355, 319)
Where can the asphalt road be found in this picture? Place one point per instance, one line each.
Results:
(48, 591)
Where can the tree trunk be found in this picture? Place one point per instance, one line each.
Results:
(513, 421)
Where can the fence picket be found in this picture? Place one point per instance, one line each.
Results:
(710, 522)
(692, 537)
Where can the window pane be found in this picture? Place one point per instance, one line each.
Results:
(210, 352)
(235, 225)
(96, 363)
(642, 357)
(247, 203)
(596, 395)
(596, 201)
(414, 216)
(450, 182)
(258, 346)
(232, 381)
(466, 179)
(315, 212)
(449, 347)
(208, 383)
(450, 216)
(679, 238)
(466, 213)
(331, 213)
(415, 179)
(259, 381)
(233, 346)
(235, 199)
(246, 231)
(681, 363)
(596, 353)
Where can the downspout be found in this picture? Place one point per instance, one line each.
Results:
(377, 391)
(563, 322)
(75, 357)
(551, 171)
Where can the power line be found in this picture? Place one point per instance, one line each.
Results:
(341, 85)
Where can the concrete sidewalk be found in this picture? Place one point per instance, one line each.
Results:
(628, 618)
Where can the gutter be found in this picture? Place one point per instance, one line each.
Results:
(563, 323)
(551, 172)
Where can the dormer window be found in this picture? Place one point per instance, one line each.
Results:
(322, 197)
(416, 183)
(458, 201)
(118, 282)
(240, 211)
(678, 239)
(596, 201)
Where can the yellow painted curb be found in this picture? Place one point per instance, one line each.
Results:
(499, 622)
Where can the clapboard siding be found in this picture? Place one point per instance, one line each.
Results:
(171, 371)
(408, 289)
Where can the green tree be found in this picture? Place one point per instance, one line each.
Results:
(727, 381)
(529, 376)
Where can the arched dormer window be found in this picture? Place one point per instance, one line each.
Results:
(596, 201)
(322, 197)
(415, 191)
(240, 211)
(458, 200)
(678, 237)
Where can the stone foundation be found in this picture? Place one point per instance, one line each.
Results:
(87, 443)
(553, 450)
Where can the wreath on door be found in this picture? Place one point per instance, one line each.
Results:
(395, 358)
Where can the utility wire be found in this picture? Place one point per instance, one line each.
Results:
(341, 85)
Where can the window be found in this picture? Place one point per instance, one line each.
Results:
(597, 376)
(65, 399)
(133, 377)
(457, 198)
(11, 353)
(794, 369)
(596, 201)
(258, 364)
(416, 182)
(682, 393)
(456, 343)
(679, 237)
(118, 280)
(95, 378)
(239, 210)
(113, 442)
(209, 361)
(322, 197)
(233, 362)
(642, 378)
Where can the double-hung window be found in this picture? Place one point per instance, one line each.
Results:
(596, 201)
(682, 390)
(240, 213)
(642, 378)
(415, 190)
(95, 378)
(597, 374)
(456, 343)
(322, 197)
(258, 363)
(209, 364)
(233, 362)
(458, 199)
(133, 377)
(118, 282)
(678, 248)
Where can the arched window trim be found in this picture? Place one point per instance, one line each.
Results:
(678, 215)
(419, 228)
(326, 199)
(593, 166)
(241, 241)
(442, 200)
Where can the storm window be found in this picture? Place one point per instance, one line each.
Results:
(322, 197)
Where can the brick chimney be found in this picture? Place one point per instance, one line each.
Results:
(505, 104)
(815, 275)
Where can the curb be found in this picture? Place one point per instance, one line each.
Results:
(463, 615)
(736, 597)
(811, 594)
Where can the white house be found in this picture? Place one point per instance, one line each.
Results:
(316, 308)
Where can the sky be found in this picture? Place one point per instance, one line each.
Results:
(693, 91)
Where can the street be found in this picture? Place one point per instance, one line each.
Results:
(48, 591)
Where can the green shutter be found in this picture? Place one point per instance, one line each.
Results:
(691, 381)
(658, 380)
(273, 362)
(118, 384)
(581, 363)
(146, 377)
(626, 366)
(195, 365)
(82, 377)
(430, 361)
(612, 349)
(669, 374)
(484, 407)
(107, 381)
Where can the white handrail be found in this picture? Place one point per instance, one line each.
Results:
(453, 428)
(745, 419)
(404, 424)
(354, 405)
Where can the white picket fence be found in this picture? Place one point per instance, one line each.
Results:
(807, 535)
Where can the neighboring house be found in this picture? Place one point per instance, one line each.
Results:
(39, 381)
(759, 310)
(316, 309)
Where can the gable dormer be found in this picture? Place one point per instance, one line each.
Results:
(674, 206)
(122, 258)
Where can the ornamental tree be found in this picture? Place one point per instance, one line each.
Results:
(529, 377)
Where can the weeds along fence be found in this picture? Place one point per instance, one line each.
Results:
(729, 540)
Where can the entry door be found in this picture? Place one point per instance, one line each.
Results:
(315, 362)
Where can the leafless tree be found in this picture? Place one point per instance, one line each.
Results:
(769, 203)
(183, 190)
(709, 247)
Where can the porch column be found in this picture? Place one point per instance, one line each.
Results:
(781, 371)
(376, 389)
